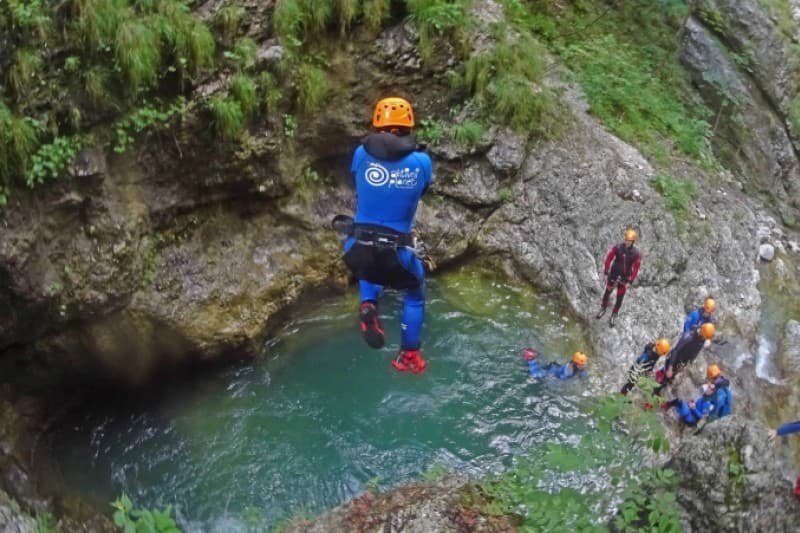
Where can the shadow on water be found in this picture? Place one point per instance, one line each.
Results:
(321, 416)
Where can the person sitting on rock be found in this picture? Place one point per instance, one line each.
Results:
(694, 411)
(699, 316)
(645, 363)
(786, 429)
(722, 396)
(620, 269)
(684, 353)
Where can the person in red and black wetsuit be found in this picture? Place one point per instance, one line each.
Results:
(620, 269)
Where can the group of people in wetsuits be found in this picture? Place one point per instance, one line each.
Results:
(391, 173)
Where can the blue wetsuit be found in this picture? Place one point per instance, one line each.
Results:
(390, 176)
(702, 406)
(695, 319)
(722, 397)
(566, 371)
(535, 370)
(791, 427)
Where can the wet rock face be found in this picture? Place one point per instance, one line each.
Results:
(732, 480)
(751, 133)
(12, 520)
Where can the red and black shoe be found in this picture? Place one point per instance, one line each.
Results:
(410, 361)
(370, 325)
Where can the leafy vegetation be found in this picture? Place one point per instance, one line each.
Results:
(228, 117)
(434, 18)
(677, 193)
(615, 449)
(133, 520)
(142, 119)
(228, 19)
(113, 56)
(626, 62)
(312, 86)
(506, 83)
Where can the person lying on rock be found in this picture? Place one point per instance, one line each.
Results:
(620, 269)
(693, 411)
(684, 353)
(645, 363)
(575, 367)
(723, 400)
(699, 316)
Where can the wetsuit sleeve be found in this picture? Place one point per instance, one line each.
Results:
(791, 427)
(427, 170)
(635, 267)
(692, 319)
(609, 258)
(358, 157)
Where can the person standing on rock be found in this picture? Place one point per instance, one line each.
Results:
(700, 315)
(645, 363)
(684, 353)
(391, 174)
(620, 269)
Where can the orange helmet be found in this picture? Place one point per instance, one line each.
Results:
(579, 358)
(662, 346)
(708, 330)
(713, 372)
(393, 111)
(631, 235)
(709, 306)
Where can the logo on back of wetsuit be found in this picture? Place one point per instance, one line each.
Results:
(403, 178)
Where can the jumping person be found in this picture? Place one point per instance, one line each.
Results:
(645, 363)
(391, 174)
(620, 269)
(701, 315)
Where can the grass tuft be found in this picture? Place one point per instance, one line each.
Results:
(375, 13)
(228, 117)
(434, 18)
(95, 84)
(312, 87)
(138, 51)
(271, 91)
(228, 20)
(27, 65)
(243, 89)
(467, 133)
